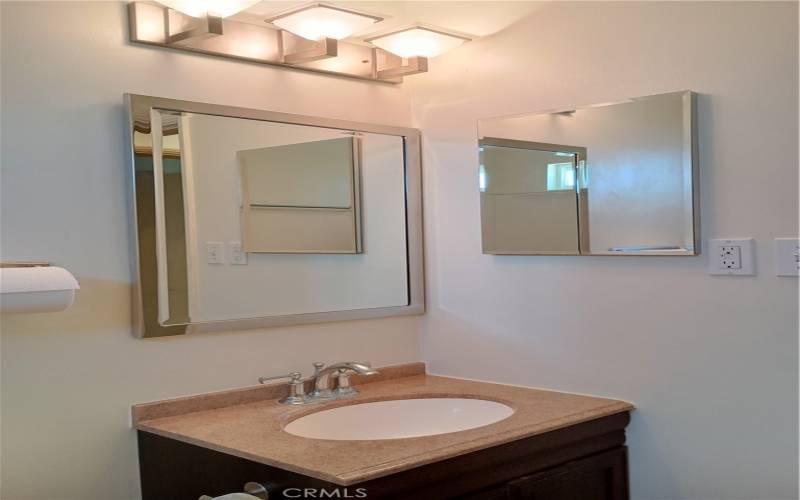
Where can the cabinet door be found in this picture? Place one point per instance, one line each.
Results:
(598, 477)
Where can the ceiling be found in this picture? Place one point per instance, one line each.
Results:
(480, 18)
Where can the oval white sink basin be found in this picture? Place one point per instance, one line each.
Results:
(399, 418)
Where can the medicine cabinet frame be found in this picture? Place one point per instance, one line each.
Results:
(146, 291)
(691, 159)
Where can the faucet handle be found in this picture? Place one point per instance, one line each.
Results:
(297, 390)
(343, 387)
(318, 366)
(294, 376)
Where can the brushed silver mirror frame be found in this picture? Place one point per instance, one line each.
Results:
(145, 276)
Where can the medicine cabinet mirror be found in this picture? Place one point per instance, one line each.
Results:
(248, 218)
(610, 179)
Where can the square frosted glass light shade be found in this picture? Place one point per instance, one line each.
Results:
(197, 8)
(417, 42)
(321, 22)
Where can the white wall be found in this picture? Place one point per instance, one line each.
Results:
(711, 362)
(68, 379)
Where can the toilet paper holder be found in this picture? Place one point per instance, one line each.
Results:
(35, 286)
(33, 263)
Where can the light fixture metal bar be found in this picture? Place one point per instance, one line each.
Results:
(412, 66)
(321, 49)
(199, 28)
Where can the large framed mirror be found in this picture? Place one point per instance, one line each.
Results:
(248, 218)
(609, 179)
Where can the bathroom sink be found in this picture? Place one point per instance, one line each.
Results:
(399, 418)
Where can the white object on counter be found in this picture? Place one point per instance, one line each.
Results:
(36, 289)
(230, 496)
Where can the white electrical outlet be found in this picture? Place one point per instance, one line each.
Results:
(787, 256)
(215, 252)
(237, 255)
(731, 257)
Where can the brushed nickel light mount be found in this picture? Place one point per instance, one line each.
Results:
(308, 37)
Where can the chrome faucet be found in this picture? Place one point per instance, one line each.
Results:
(320, 382)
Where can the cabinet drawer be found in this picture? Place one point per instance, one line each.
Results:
(598, 477)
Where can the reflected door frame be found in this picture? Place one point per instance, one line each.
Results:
(580, 186)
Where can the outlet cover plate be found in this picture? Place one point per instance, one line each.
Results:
(730, 257)
(787, 256)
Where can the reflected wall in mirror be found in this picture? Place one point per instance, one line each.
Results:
(611, 179)
(301, 198)
(248, 218)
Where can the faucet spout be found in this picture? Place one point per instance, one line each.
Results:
(360, 368)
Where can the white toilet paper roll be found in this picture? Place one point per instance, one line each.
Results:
(230, 496)
(36, 289)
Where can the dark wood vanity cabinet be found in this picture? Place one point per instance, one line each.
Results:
(586, 461)
(601, 476)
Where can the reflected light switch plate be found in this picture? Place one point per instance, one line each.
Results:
(236, 254)
(731, 257)
(787, 256)
(215, 252)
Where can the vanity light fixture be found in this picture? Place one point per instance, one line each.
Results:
(307, 37)
(318, 20)
(419, 40)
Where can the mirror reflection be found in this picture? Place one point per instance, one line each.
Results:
(301, 198)
(611, 179)
(255, 218)
(518, 183)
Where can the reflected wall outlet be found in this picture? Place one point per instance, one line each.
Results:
(787, 256)
(236, 254)
(731, 257)
(215, 252)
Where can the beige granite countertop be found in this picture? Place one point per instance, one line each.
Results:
(244, 424)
